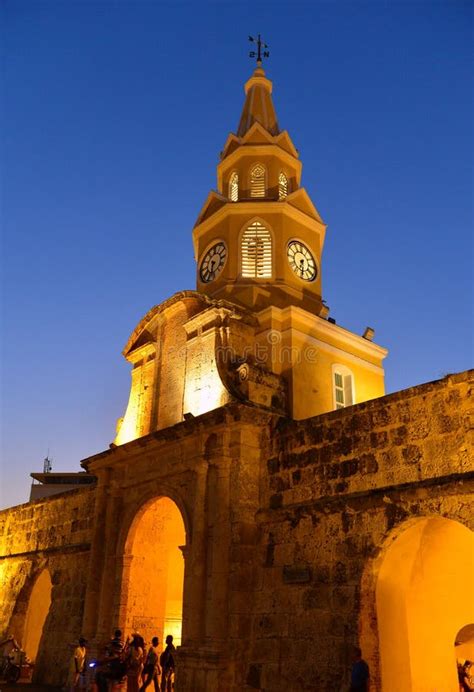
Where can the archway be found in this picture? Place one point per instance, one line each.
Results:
(152, 589)
(423, 599)
(37, 610)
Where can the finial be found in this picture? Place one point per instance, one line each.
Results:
(259, 54)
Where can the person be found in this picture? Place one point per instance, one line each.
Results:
(76, 665)
(113, 666)
(151, 670)
(168, 664)
(465, 681)
(6, 647)
(117, 644)
(359, 673)
(135, 663)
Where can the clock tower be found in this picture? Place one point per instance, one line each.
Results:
(259, 238)
(257, 327)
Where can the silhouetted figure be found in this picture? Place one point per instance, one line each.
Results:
(168, 665)
(76, 665)
(465, 680)
(135, 656)
(359, 673)
(152, 666)
(113, 667)
(7, 646)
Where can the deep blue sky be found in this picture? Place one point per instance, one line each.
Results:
(114, 116)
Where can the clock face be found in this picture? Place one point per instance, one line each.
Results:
(213, 262)
(302, 261)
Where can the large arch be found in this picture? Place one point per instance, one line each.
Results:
(151, 597)
(415, 598)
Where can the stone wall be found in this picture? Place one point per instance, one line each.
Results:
(334, 489)
(285, 523)
(54, 535)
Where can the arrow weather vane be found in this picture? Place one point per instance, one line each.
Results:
(259, 54)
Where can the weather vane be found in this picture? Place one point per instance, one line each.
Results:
(259, 53)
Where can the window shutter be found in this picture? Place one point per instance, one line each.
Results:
(257, 181)
(348, 390)
(343, 390)
(234, 187)
(282, 186)
(256, 251)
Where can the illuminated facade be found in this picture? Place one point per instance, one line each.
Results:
(263, 501)
(258, 244)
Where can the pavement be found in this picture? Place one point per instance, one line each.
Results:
(27, 687)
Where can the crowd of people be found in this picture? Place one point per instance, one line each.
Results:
(129, 662)
(132, 662)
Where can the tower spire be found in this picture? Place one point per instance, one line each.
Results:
(258, 106)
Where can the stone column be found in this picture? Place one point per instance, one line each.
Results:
(96, 560)
(194, 591)
(110, 578)
(218, 578)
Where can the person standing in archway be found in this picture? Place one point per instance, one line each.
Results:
(359, 673)
(167, 661)
(135, 663)
(151, 670)
(76, 666)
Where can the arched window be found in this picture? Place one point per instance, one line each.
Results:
(343, 386)
(282, 186)
(256, 249)
(257, 181)
(234, 187)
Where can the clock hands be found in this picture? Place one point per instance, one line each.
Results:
(213, 262)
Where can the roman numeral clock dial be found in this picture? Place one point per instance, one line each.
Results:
(301, 261)
(213, 262)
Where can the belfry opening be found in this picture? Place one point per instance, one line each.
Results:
(153, 574)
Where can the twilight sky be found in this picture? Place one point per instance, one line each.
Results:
(114, 116)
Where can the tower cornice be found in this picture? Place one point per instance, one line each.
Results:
(253, 208)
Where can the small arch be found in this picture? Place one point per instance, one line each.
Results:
(282, 186)
(39, 604)
(343, 387)
(234, 187)
(258, 180)
(256, 253)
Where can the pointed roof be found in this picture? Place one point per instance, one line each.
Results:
(258, 106)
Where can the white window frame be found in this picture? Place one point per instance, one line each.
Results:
(345, 373)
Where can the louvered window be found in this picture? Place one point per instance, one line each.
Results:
(234, 187)
(256, 252)
(282, 186)
(257, 181)
(343, 390)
